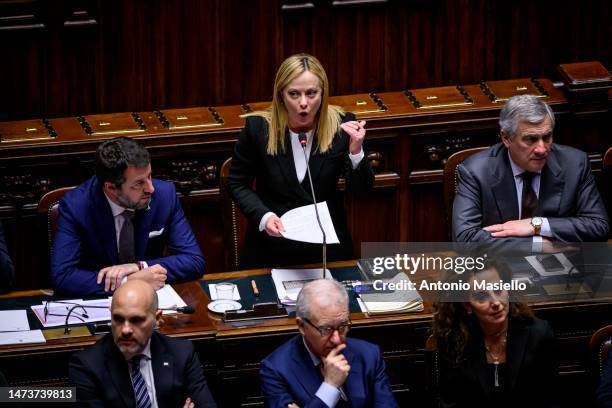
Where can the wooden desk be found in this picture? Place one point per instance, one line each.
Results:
(231, 353)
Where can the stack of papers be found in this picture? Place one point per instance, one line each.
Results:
(22, 337)
(85, 311)
(289, 282)
(15, 329)
(399, 301)
(98, 310)
(169, 299)
(13, 320)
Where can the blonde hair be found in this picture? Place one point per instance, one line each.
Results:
(328, 119)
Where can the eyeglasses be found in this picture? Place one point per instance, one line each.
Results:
(69, 305)
(327, 331)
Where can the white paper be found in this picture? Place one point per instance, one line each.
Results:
(567, 265)
(212, 287)
(301, 224)
(289, 282)
(89, 311)
(22, 337)
(168, 299)
(402, 300)
(13, 320)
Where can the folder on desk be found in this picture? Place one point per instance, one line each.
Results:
(289, 282)
(399, 301)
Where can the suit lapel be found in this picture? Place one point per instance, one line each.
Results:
(306, 373)
(315, 161)
(504, 188)
(116, 365)
(142, 227)
(163, 369)
(286, 163)
(551, 187)
(103, 217)
(354, 386)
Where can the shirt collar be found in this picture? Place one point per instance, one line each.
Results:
(516, 170)
(315, 360)
(115, 208)
(147, 350)
(295, 135)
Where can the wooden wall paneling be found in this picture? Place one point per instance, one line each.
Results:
(162, 54)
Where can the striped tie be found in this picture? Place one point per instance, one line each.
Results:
(140, 387)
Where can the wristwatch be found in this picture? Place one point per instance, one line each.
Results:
(536, 223)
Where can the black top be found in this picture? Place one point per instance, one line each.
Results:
(526, 379)
(261, 183)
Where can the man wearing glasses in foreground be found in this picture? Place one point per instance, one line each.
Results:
(322, 368)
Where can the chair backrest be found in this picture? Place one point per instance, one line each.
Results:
(607, 179)
(451, 181)
(234, 223)
(48, 207)
(600, 345)
(607, 159)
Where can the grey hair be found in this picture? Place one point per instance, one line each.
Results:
(327, 292)
(524, 108)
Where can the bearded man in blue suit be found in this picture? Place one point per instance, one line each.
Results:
(116, 226)
(323, 368)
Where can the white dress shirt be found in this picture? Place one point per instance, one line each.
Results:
(146, 370)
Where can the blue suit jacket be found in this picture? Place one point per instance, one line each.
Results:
(86, 241)
(288, 375)
(101, 375)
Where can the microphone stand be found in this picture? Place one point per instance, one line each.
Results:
(303, 141)
(184, 309)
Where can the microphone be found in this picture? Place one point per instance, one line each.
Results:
(182, 309)
(304, 141)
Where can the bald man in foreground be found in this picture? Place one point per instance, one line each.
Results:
(135, 366)
(323, 368)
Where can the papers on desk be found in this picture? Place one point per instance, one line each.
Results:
(168, 299)
(22, 337)
(98, 310)
(301, 224)
(85, 311)
(398, 301)
(289, 282)
(13, 320)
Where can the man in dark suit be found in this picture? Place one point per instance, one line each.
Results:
(117, 225)
(527, 189)
(7, 272)
(136, 367)
(322, 368)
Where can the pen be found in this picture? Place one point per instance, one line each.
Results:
(254, 286)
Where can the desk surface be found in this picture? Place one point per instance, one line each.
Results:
(206, 325)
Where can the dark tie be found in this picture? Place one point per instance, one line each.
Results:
(141, 394)
(529, 202)
(126, 238)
